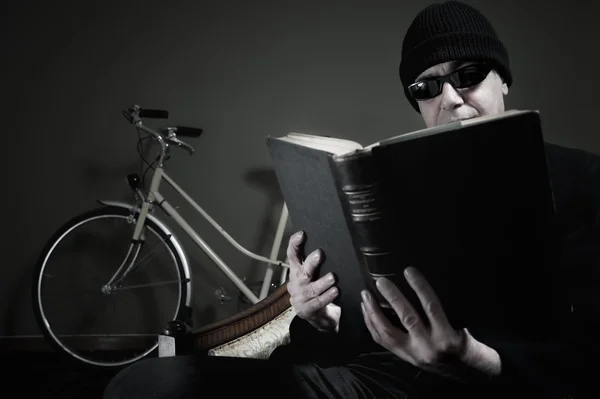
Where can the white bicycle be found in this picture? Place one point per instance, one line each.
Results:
(111, 278)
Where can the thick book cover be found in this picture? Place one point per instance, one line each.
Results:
(469, 204)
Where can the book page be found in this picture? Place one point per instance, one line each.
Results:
(330, 144)
(417, 133)
(487, 118)
(447, 127)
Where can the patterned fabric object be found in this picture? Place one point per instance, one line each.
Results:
(259, 344)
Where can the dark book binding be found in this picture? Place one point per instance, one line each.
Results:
(368, 221)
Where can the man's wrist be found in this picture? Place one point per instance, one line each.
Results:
(329, 320)
(481, 358)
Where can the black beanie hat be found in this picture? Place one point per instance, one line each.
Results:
(450, 31)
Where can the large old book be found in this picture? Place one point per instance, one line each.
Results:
(469, 204)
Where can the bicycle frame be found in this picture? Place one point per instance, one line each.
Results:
(155, 197)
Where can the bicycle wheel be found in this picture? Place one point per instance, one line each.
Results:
(100, 325)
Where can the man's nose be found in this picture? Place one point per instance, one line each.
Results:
(451, 98)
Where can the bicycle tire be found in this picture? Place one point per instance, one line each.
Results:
(182, 312)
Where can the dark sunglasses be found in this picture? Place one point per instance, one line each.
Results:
(461, 78)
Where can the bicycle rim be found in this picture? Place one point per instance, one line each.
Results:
(107, 328)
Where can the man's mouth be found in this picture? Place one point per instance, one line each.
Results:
(464, 118)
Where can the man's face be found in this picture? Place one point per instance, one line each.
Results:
(484, 98)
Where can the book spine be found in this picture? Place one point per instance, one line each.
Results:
(371, 231)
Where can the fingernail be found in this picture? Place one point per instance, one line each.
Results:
(298, 235)
(365, 295)
(330, 278)
(316, 255)
(409, 272)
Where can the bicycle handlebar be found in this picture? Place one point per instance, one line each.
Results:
(153, 113)
(166, 135)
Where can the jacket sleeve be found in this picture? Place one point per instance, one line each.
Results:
(558, 368)
(307, 344)
(568, 364)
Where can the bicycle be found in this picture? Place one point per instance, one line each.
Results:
(124, 273)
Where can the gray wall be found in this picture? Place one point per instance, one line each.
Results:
(242, 71)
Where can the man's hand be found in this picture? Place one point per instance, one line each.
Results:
(312, 300)
(432, 345)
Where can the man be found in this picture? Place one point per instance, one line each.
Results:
(453, 67)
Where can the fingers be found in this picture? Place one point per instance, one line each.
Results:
(308, 297)
(295, 249)
(314, 260)
(318, 287)
(429, 300)
(308, 307)
(374, 333)
(406, 312)
(382, 330)
(295, 253)
(301, 278)
(303, 291)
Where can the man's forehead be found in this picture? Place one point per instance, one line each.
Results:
(441, 69)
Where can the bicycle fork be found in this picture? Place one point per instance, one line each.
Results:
(129, 262)
(138, 239)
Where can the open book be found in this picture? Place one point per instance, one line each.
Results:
(340, 146)
(468, 203)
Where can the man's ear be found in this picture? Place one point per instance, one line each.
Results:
(504, 85)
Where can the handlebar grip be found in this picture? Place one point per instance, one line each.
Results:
(154, 113)
(187, 131)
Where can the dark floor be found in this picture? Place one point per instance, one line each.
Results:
(48, 375)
